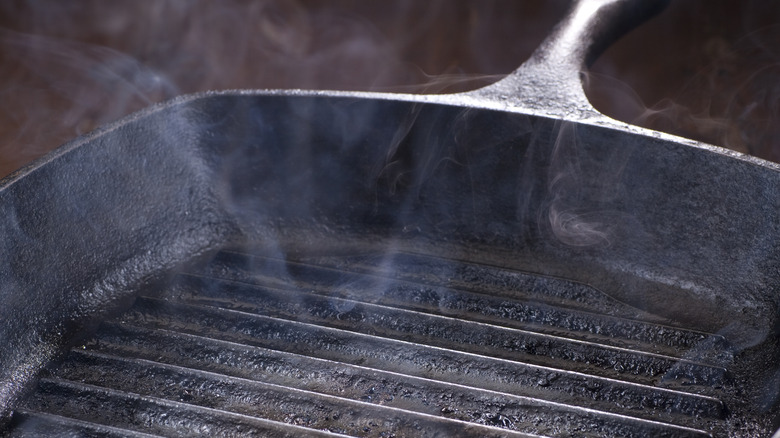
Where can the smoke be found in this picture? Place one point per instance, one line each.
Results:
(702, 70)
(66, 68)
(118, 83)
(573, 219)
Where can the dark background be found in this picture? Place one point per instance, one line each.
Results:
(703, 69)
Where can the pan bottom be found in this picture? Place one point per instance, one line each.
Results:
(363, 341)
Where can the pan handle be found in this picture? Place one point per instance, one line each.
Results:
(549, 82)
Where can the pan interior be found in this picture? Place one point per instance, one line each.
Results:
(620, 211)
(646, 229)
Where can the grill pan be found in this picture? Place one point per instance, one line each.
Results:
(502, 262)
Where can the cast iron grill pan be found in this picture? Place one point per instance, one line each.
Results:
(281, 263)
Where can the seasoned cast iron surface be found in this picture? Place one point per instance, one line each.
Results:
(433, 322)
(684, 235)
(377, 344)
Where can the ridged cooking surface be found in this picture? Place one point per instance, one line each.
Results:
(378, 346)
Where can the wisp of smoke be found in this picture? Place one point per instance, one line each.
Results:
(571, 220)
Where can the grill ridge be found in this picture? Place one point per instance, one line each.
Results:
(251, 344)
(400, 324)
(512, 377)
(403, 287)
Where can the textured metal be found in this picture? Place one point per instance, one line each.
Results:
(682, 236)
(230, 347)
(550, 81)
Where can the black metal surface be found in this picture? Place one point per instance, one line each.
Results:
(339, 344)
(678, 242)
(487, 211)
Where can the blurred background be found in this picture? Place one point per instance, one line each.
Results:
(703, 69)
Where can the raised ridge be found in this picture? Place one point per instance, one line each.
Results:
(295, 349)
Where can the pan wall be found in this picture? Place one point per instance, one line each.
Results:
(682, 232)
